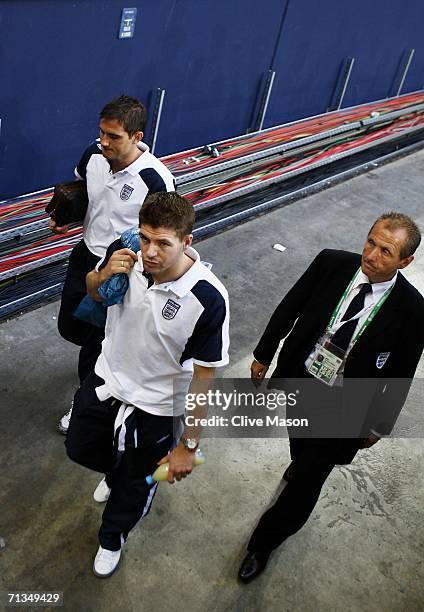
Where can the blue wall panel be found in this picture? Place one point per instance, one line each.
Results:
(210, 62)
(218, 52)
(315, 39)
(61, 61)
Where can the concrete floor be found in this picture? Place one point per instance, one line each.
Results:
(363, 546)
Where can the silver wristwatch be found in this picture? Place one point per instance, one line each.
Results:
(190, 444)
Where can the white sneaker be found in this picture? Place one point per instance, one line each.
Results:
(64, 421)
(102, 492)
(106, 562)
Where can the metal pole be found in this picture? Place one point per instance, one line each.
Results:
(405, 71)
(156, 117)
(348, 71)
(265, 100)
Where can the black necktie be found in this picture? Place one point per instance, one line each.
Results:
(344, 334)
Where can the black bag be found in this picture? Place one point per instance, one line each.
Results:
(69, 203)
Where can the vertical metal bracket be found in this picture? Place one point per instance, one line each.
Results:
(408, 55)
(265, 100)
(160, 95)
(341, 84)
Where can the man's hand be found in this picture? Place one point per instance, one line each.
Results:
(120, 261)
(58, 229)
(181, 460)
(181, 463)
(257, 372)
(370, 441)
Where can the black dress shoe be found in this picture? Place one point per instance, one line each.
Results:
(253, 564)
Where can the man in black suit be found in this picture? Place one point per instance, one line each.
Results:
(354, 333)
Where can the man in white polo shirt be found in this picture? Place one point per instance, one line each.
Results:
(166, 338)
(120, 172)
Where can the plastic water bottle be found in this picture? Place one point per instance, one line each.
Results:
(161, 473)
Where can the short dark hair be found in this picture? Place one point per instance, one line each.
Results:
(130, 113)
(397, 220)
(170, 210)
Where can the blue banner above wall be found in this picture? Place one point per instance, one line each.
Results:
(61, 62)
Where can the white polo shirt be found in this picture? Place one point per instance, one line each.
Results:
(371, 299)
(153, 339)
(115, 199)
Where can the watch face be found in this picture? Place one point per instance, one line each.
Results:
(190, 443)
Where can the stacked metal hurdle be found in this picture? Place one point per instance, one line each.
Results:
(227, 182)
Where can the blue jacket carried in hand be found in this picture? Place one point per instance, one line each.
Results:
(112, 291)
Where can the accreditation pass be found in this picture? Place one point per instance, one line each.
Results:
(326, 363)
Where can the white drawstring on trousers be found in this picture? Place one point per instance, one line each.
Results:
(125, 410)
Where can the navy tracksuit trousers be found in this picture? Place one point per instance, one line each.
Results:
(88, 337)
(91, 443)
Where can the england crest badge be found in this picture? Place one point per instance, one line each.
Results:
(381, 360)
(126, 192)
(170, 309)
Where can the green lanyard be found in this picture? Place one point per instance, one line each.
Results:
(369, 318)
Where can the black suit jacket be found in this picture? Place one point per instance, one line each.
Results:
(397, 329)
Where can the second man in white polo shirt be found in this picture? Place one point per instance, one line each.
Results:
(170, 333)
